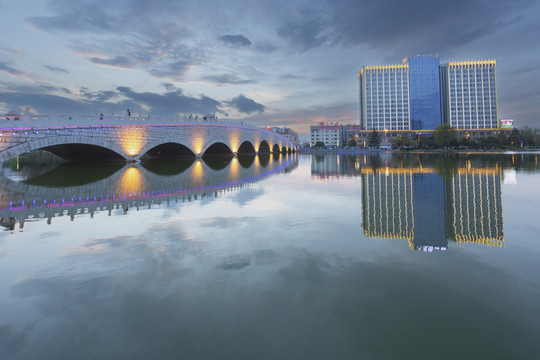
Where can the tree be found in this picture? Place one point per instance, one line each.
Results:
(445, 135)
(374, 138)
(527, 137)
(402, 141)
(319, 144)
(489, 142)
(351, 143)
(515, 138)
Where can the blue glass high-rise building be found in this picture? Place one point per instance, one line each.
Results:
(421, 94)
(425, 91)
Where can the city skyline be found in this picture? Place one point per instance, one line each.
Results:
(279, 64)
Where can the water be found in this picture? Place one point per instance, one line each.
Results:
(342, 257)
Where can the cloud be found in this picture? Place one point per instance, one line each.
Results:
(245, 105)
(56, 69)
(44, 100)
(227, 79)
(98, 96)
(117, 61)
(7, 68)
(174, 69)
(171, 102)
(235, 40)
(12, 51)
(45, 103)
(169, 86)
(418, 24)
(303, 35)
(131, 35)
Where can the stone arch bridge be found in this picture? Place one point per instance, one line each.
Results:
(116, 138)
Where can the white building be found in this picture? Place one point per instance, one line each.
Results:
(288, 134)
(329, 134)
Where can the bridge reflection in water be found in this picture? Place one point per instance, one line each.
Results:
(428, 200)
(60, 192)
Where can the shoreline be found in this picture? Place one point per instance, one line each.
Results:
(436, 151)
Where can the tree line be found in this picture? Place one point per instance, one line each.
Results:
(445, 136)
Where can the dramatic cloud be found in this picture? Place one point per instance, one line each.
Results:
(235, 40)
(46, 103)
(171, 102)
(245, 105)
(113, 100)
(301, 54)
(418, 24)
(125, 37)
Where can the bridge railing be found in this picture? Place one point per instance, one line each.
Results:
(27, 121)
(17, 121)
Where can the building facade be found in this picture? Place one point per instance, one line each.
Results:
(421, 94)
(330, 134)
(288, 134)
(425, 91)
(470, 94)
(384, 97)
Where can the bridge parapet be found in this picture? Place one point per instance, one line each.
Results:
(29, 121)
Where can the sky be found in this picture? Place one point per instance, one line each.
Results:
(288, 63)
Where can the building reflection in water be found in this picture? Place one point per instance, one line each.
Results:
(428, 200)
(334, 166)
(428, 210)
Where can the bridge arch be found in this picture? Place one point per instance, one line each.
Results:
(156, 145)
(246, 148)
(55, 143)
(217, 148)
(275, 149)
(264, 148)
(170, 149)
(83, 152)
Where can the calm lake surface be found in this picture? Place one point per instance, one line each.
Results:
(384, 256)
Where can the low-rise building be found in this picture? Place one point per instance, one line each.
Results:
(288, 134)
(329, 133)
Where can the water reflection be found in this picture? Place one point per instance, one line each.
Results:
(429, 200)
(87, 188)
(168, 166)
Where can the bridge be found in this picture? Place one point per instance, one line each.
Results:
(129, 138)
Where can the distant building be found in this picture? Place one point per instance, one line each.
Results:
(330, 134)
(421, 94)
(288, 134)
